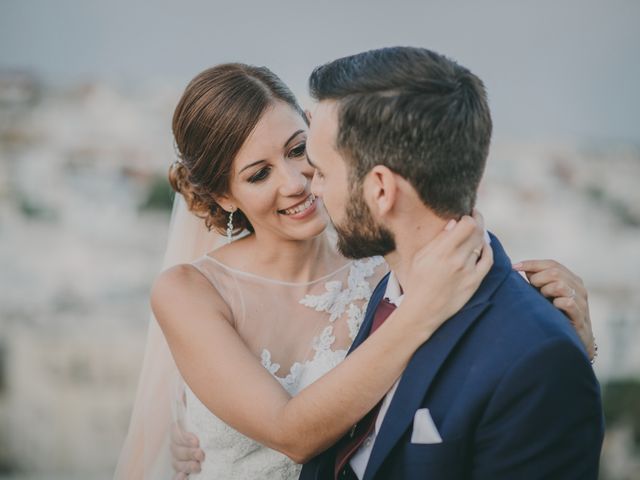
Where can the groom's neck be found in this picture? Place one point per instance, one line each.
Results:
(411, 234)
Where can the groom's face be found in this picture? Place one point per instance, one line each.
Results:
(359, 234)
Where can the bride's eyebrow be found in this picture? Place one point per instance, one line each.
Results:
(251, 165)
(298, 132)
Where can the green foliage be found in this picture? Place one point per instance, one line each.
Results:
(34, 210)
(159, 195)
(621, 400)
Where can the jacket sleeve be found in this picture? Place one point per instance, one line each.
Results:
(544, 420)
(321, 467)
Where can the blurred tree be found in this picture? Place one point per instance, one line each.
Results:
(621, 400)
(159, 195)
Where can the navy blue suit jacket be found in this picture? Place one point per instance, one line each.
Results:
(508, 385)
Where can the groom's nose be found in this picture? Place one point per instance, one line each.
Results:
(315, 185)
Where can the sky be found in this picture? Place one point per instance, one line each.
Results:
(555, 70)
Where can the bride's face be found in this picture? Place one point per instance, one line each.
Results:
(270, 179)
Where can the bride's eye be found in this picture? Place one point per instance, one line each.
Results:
(260, 175)
(299, 150)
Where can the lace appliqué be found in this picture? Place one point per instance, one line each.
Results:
(335, 301)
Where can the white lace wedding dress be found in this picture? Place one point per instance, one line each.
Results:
(299, 331)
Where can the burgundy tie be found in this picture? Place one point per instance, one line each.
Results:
(364, 427)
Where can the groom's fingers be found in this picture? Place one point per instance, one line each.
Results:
(186, 454)
(181, 437)
(186, 467)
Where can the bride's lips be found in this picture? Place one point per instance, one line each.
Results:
(301, 209)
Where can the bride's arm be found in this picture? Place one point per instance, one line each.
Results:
(228, 379)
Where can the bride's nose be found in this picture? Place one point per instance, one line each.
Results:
(294, 182)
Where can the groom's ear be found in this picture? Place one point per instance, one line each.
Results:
(380, 190)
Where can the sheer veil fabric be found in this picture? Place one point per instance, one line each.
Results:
(297, 331)
(145, 454)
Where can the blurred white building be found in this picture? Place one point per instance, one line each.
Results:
(79, 254)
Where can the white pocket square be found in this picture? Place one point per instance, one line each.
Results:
(424, 430)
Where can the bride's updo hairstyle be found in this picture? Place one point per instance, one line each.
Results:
(216, 113)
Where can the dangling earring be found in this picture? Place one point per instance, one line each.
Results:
(230, 227)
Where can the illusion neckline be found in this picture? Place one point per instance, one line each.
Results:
(273, 280)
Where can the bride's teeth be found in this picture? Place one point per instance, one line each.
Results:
(300, 208)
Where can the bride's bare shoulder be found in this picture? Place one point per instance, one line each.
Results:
(183, 285)
(178, 277)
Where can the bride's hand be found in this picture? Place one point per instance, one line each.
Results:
(566, 290)
(447, 271)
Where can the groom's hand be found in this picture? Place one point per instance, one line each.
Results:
(186, 454)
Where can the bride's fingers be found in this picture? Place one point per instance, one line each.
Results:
(550, 275)
(485, 262)
(463, 231)
(479, 262)
(465, 244)
(552, 284)
(578, 319)
(540, 272)
(534, 266)
(478, 217)
(558, 289)
(447, 241)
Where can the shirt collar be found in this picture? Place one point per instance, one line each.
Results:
(393, 293)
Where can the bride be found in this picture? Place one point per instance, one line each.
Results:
(259, 327)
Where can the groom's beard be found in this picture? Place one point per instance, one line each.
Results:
(360, 236)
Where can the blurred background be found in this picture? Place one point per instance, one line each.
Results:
(87, 91)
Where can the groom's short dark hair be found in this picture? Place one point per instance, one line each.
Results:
(415, 111)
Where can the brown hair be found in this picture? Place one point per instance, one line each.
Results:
(417, 112)
(216, 113)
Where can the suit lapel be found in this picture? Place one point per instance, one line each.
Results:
(372, 306)
(429, 358)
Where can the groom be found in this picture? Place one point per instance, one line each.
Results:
(504, 389)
